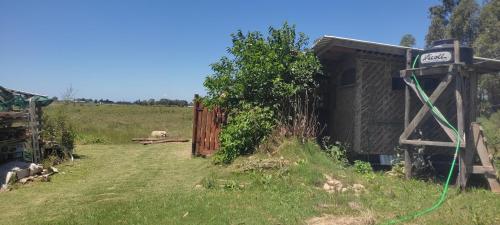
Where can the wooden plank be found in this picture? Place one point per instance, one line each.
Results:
(218, 127)
(456, 51)
(428, 143)
(469, 117)
(195, 124)
(423, 113)
(483, 170)
(199, 110)
(408, 149)
(425, 71)
(484, 156)
(462, 173)
(213, 136)
(202, 131)
(207, 130)
(163, 141)
(148, 139)
(210, 130)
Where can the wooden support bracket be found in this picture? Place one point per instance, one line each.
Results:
(487, 168)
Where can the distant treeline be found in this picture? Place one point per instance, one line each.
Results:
(163, 101)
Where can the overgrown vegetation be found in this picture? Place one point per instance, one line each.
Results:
(243, 132)
(265, 78)
(59, 134)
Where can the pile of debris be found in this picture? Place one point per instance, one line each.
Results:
(335, 186)
(34, 172)
(157, 137)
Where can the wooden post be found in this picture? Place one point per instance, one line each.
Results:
(459, 90)
(195, 123)
(408, 148)
(33, 127)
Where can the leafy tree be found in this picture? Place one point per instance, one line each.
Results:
(464, 22)
(407, 40)
(256, 85)
(263, 71)
(437, 28)
(487, 44)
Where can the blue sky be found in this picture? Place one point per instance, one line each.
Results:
(128, 50)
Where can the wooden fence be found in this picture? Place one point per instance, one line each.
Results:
(206, 128)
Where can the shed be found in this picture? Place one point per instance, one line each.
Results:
(363, 98)
(20, 125)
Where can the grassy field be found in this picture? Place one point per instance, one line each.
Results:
(123, 183)
(117, 124)
(162, 184)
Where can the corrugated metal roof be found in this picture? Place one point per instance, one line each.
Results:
(326, 43)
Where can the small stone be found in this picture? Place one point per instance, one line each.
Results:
(53, 169)
(25, 180)
(326, 187)
(35, 169)
(358, 188)
(45, 178)
(198, 186)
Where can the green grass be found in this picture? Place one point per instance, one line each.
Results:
(117, 124)
(491, 126)
(136, 184)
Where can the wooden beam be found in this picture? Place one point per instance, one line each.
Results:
(423, 113)
(428, 143)
(456, 51)
(459, 100)
(408, 149)
(195, 124)
(483, 153)
(425, 71)
(484, 169)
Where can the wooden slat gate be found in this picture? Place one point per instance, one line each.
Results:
(206, 128)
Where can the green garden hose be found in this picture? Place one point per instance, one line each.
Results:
(438, 115)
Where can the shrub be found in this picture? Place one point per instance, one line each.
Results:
(58, 130)
(362, 167)
(263, 71)
(243, 133)
(337, 151)
(258, 85)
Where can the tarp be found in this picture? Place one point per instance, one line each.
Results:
(12, 100)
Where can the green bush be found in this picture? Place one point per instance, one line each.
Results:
(337, 152)
(57, 129)
(256, 85)
(491, 126)
(244, 132)
(362, 167)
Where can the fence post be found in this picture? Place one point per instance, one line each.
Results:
(196, 104)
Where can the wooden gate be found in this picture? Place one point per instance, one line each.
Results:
(206, 128)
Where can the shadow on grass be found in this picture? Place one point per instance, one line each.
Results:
(79, 156)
